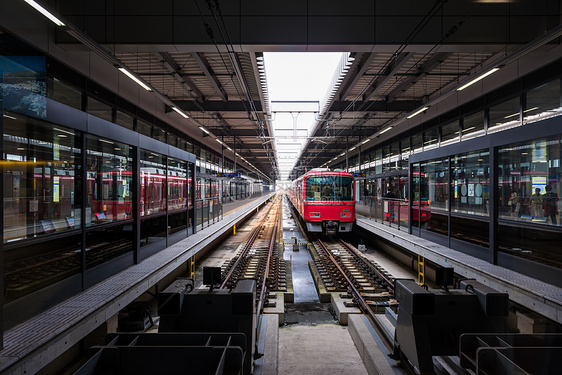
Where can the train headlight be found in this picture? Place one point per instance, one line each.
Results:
(314, 214)
(346, 214)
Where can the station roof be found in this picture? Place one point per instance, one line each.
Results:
(206, 58)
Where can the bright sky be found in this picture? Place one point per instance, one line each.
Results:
(294, 77)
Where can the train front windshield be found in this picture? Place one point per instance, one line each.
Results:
(329, 188)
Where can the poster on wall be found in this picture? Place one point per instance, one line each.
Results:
(24, 85)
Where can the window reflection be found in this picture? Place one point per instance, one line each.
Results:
(542, 102)
(153, 183)
(473, 125)
(41, 177)
(109, 181)
(99, 109)
(177, 184)
(504, 115)
(529, 181)
(470, 183)
(436, 194)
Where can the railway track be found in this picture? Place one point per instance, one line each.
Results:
(345, 270)
(259, 258)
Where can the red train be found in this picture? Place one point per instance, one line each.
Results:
(325, 200)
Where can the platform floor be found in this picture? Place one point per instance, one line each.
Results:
(539, 296)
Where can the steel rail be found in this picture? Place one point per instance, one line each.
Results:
(249, 243)
(368, 264)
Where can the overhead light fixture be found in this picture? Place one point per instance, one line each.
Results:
(45, 12)
(180, 112)
(228, 148)
(205, 130)
(365, 141)
(137, 80)
(219, 141)
(417, 112)
(478, 78)
(10, 117)
(353, 148)
(387, 129)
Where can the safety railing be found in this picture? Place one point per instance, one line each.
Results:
(391, 211)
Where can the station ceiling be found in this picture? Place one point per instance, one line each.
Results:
(206, 57)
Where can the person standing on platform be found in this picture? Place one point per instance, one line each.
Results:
(550, 204)
(536, 204)
(389, 193)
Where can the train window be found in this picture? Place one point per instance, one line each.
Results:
(152, 181)
(329, 188)
(41, 176)
(109, 181)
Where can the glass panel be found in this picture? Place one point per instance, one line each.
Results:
(124, 120)
(470, 182)
(153, 183)
(529, 205)
(417, 143)
(177, 184)
(504, 116)
(34, 267)
(159, 134)
(529, 181)
(436, 194)
(430, 138)
(109, 181)
(473, 126)
(543, 102)
(99, 109)
(153, 230)
(144, 128)
(450, 133)
(172, 139)
(329, 188)
(177, 222)
(41, 178)
(64, 93)
(105, 244)
(24, 88)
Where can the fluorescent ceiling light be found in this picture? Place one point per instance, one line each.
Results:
(385, 130)
(205, 130)
(45, 12)
(180, 112)
(417, 112)
(219, 141)
(138, 81)
(478, 78)
(10, 117)
(353, 148)
(365, 141)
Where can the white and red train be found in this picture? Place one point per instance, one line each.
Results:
(325, 200)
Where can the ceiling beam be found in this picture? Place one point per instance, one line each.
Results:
(430, 64)
(393, 66)
(375, 106)
(217, 106)
(362, 65)
(179, 75)
(210, 74)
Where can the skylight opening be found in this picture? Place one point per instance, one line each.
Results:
(297, 84)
